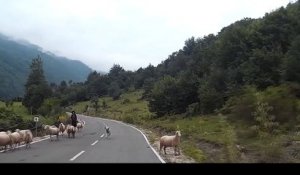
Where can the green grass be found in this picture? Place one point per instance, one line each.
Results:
(19, 109)
(80, 107)
(2, 104)
(210, 130)
(133, 111)
(129, 108)
(192, 151)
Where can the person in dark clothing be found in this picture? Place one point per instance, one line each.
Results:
(74, 119)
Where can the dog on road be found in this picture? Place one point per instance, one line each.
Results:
(107, 131)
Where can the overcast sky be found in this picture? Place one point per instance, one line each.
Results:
(131, 33)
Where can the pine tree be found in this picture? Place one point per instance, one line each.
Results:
(36, 87)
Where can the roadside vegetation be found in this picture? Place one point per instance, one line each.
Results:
(206, 138)
(235, 96)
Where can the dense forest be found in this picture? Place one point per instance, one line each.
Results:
(15, 59)
(249, 71)
(213, 73)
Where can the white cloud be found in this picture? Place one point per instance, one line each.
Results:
(132, 33)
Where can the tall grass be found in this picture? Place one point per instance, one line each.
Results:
(200, 134)
(131, 109)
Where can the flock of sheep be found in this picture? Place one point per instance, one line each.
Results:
(15, 139)
(61, 129)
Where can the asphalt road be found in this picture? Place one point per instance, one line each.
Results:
(126, 144)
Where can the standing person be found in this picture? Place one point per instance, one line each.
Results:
(74, 119)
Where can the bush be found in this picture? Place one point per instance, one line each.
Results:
(266, 122)
(125, 101)
(210, 99)
(281, 99)
(129, 119)
(11, 121)
(193, 109)
(63, 117)
(248, 133)
(242, 106)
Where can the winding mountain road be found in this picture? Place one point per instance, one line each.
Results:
(125, 145)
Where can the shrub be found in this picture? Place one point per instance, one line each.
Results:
(128, 119)
(242, 106)
(125, 101)
(193, 109)
(281, 99)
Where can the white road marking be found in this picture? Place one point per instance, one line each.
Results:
(77, 155)
(102, 135)
(95, 142)
(46, 137)
(157, 155)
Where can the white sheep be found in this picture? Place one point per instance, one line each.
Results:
(28, 138)
(80, 125)
(22, 134)
(5, 140)
(71, 130)
(51, 130)
(62, 128)
(44, 129)
(170, 141)
(15, 138)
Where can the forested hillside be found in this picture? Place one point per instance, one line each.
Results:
(208, 71)
(234, 95)
(15, 59)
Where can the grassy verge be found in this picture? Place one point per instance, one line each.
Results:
(214, 130)
(211, 138)
(22, 112)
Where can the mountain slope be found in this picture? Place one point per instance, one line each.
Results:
(15, 60)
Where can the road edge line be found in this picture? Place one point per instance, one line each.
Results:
(157, 155)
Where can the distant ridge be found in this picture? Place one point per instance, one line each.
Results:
(15, 60)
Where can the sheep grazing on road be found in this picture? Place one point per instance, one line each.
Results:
(5, 140)
(71, 130)
(61, 128)
(22, 134)
(15, 138)
(80, 125)
(28, 138)
(51, 130)
(170, 141)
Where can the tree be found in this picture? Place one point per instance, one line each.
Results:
(104, 105)
(164, 97)
(209, 98)
(189, 46)
(94, 101)
(63, 86)
(116, 70)
(36, 87)
(114, 91)
(292, 62)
